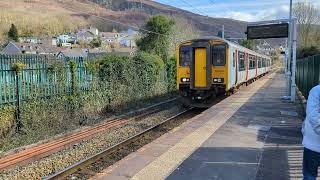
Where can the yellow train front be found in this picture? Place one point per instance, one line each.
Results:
(211, 66)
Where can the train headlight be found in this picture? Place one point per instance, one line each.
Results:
(218, 80)
(185, 79)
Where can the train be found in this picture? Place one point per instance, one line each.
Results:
(211, 66)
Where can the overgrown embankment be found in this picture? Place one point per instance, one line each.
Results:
(83, 94)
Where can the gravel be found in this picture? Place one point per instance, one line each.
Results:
(77, 152)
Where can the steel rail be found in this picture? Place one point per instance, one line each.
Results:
(55, 145)
(92, 159)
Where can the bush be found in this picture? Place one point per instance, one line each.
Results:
(7, 119)
(307, 51)
(130, 79)
(171, 69)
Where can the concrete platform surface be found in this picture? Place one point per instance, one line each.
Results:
(250, 135)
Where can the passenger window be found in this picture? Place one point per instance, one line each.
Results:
(259, 62)
(252, 62)
(185, 56)
(241, 61)
(234, 60)
(218, 55)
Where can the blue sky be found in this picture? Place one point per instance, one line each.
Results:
(246, 10)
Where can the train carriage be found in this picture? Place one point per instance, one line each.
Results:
(207, 67)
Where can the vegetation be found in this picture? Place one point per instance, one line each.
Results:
(307, 51)
(250, 44)
(113, 83)
(308, 19)
(96, 42)
(37, 24)
(18, 67)
(156, 36)
(182, 30)
(13, 33)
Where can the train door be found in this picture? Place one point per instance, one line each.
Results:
(200, 68)
(232, 68)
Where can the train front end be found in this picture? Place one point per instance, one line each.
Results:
(201, 71)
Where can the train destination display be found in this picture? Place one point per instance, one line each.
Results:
(268, 31)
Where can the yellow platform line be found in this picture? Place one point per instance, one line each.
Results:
(164, 165)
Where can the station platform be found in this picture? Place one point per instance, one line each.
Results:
(251, 135)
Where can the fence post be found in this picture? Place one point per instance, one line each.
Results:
(18, 100)
(18, 68)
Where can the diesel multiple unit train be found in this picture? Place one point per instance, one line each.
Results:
(210, 66)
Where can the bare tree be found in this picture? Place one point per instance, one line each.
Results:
(308, 16)
(182, 30)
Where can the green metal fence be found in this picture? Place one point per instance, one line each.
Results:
(37, 79)
(308, 74)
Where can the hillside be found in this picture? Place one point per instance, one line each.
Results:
(49, 17)
(137, 11)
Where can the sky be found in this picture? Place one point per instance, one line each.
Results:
(245, 10)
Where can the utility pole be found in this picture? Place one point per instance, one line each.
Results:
(289, 53)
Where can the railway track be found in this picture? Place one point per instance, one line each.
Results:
(43, 150)
(83, 169)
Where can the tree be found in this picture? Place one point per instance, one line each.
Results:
(156, 36)
(250, 44)
(96, 42)
(182, 30)
(13, 33)
(308, 16)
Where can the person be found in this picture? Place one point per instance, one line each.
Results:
(311, 136)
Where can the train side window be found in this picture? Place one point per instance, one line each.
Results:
(259, 62)
(234, 59)
(252, 62)
(218, 55)
(185, 56)
(241, 59)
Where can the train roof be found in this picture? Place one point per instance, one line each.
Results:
(208, 38)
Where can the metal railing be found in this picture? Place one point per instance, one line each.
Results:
(308, 74)
(36, 79)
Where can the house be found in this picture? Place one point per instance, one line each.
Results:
(71, 53)
(66, 38)
(85, 35)
(66, 44)
(52, 50)
(110, 37)
(128, 41)
(94, 31)
(34, 40)
(15, 48)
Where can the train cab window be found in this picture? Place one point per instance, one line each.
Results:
(185, 56)
(218, 55)
(241, 58)
(252, 62)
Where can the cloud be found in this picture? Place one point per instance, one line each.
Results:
(280, 12)
(243, 16)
